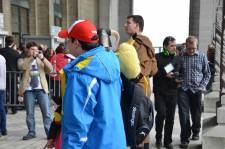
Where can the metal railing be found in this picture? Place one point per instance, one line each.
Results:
(219, 43)
(13, 79)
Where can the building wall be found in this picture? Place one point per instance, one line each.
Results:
(69, 12)
(206, 22)
(88, 9)
(103, 13)
(194, 17)
(125, 9)
(32, 17)
(201, 21)
(44, 17)
(6, 9)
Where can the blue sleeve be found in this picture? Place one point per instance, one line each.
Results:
(78, 110)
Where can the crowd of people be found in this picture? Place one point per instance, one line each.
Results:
(106, 92)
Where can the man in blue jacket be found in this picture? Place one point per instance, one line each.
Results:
(92, 115)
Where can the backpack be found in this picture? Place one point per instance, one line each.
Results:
(138, 113)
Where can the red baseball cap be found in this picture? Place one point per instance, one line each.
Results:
(82, 30)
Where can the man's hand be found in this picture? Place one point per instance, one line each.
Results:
(35, 53)
(170, 75)
(20, 99)
(40, 55)
(178, 81)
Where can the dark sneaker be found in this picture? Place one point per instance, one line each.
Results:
(158, 144)
(28, 137)
(184, 145)
(195, 137)
(4, 133)
(168, 146)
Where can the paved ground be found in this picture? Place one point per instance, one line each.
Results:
(17, 128)
(176, 136)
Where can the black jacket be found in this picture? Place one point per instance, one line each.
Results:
(161, 83)
(11, 57)
(138, 114)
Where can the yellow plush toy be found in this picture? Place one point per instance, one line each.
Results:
(129, 62)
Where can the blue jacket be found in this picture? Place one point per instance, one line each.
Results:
(92, 116)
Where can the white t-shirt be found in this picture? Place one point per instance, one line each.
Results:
(2, 73)
(34, 75)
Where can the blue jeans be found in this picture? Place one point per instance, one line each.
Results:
(2, 112)
(42, 98)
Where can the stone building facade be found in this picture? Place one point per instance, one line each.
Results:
(36, 17)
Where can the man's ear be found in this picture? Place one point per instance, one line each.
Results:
(76, 42)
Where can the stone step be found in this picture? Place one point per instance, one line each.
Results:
(210, 100)
(217, 67)
(209, 121)
(223, 100)
(216, 78)
(221, 115)
(216, 86)
(214, 138)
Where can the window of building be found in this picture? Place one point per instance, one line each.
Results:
(57, 13)
(20, 21)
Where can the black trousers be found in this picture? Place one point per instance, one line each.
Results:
(165, 106)
(189, 101)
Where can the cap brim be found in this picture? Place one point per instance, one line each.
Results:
(63, 33)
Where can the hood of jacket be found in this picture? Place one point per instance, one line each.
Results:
(97, 62)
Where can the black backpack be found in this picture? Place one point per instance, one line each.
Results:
(138, 113)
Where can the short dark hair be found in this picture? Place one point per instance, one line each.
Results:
(9, 40)
(167, 40)
(86, 45)
(60, 49)
(137, 19)
(31, 44)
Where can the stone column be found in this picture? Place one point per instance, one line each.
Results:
(104, 13)
(88, 10)
(72, 11)
(44, 16)
(125, 9)
(207, 19)
(6, 9)
(33, 17)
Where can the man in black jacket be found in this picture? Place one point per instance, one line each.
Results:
(165, 84)
(11, 57)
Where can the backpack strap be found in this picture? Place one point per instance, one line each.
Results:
(131, 41)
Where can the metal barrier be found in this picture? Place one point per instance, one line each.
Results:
(219, 42)
(13, 79)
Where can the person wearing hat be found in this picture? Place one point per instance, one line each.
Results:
(92, 116)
